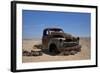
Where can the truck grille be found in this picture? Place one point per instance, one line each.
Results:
(70, 44)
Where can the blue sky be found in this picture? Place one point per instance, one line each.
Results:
(34, 22)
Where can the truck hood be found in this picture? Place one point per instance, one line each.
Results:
(64, 35)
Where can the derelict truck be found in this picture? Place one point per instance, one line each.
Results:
(56, 41)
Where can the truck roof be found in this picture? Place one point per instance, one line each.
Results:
(53, 29)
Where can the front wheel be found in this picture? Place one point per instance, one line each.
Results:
(53, 49)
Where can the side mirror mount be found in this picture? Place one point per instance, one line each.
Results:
(78, 38)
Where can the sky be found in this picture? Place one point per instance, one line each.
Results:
(75, 23)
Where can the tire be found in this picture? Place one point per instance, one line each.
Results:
(26, 53)
(53, 49)
(73, 52)
(36, 53)
(66, 53)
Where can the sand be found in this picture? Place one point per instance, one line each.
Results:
(83, 55)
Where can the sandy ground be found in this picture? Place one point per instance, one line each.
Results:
(83, 55)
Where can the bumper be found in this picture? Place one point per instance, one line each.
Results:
(73, 48)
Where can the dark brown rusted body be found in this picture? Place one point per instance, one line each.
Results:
(55, 39)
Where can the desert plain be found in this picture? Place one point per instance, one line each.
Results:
(84, 54)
